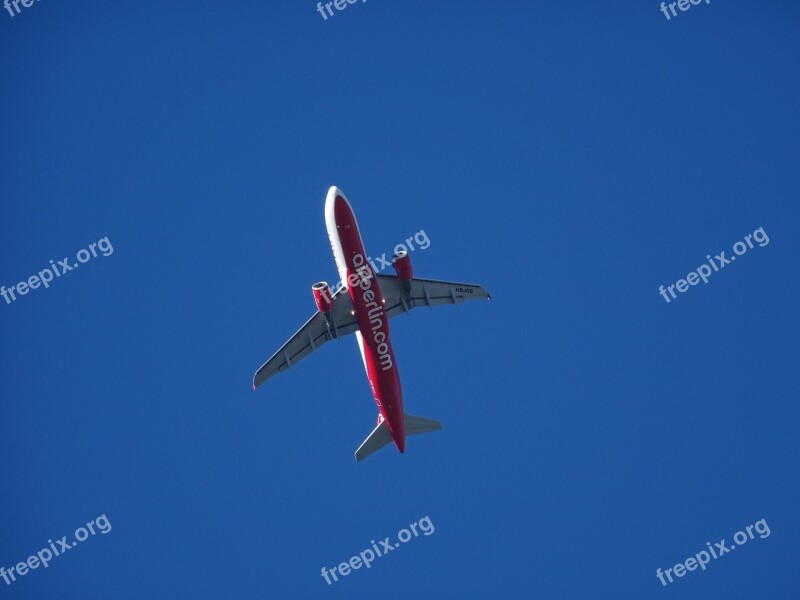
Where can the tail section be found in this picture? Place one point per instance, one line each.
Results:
(381, 436)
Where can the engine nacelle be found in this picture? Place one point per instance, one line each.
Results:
(322, 296)
(402, 266)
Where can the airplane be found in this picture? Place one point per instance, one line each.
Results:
(363, 305)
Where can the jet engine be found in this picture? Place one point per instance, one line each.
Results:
(402, 266)
(322, 297)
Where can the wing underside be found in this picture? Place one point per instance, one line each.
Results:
(426, 292)
(313, 334)
(399, 297)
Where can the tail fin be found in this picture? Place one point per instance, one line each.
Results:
(381, 435)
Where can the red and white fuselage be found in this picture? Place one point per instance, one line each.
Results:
(373, 335)
(370, 300)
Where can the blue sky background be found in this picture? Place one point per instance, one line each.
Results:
(572, 157)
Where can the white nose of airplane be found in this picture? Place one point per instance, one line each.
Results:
(339, 218)
(331, 211)
(333, 191)
(330, 202)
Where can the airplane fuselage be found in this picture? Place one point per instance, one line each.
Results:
(373, 335)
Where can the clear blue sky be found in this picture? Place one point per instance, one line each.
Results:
(570, 156)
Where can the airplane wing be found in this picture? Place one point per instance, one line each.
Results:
(425, 292)
(316, 331)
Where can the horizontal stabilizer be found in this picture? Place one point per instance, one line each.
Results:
(415, 425)
(376, 440)
(381, 435)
